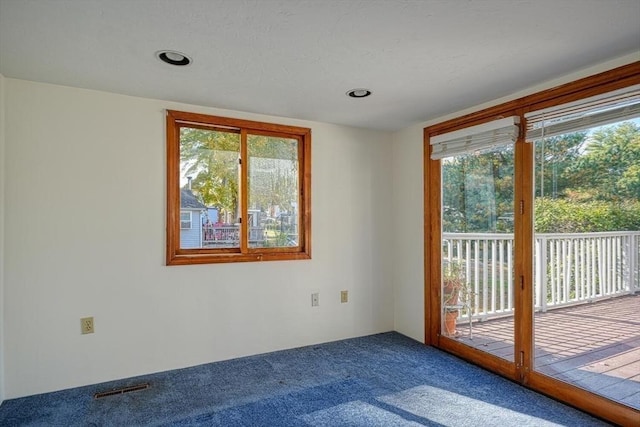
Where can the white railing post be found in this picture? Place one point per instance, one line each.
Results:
(510, 272)
(541, 272)
(485, 275)
(633, 261)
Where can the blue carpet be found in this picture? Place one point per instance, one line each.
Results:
(378, 380)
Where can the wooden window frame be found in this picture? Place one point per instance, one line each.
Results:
(521, 369)
(177, 256)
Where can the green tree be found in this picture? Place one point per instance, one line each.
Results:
(553, 156)
(210, 158)
(609, 167)
(599, 188)
(478, 191)
(574, 173)
(273, 172)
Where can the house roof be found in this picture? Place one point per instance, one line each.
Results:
(296, 59)
(189, 201)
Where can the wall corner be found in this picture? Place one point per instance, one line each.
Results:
(2, 252)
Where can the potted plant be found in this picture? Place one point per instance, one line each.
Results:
(453, 282)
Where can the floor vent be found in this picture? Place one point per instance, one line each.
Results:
(122, 390)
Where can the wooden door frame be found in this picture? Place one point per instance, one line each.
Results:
(521, 369)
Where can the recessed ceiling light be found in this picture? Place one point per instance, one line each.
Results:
(359, 93)
(174, 58)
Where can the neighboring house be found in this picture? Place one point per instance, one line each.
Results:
(191, 218)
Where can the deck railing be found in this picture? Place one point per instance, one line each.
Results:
(228, 234)
(570, 268)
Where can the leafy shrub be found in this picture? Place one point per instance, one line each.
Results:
(565, 216)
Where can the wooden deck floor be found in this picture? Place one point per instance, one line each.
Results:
(595, 346)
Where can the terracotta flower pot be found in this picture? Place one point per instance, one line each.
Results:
(449, 327)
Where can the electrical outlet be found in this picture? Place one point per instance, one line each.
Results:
(86, 325)
(315, 299)
(344, 296)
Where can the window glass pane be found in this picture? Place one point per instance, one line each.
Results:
(477, 237)
(587, 259)
(209, 177)
(273, 191)
(185, 219)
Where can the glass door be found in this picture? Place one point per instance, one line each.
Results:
(532, 241)
(587, 230)
(477, 237)
(477, 300)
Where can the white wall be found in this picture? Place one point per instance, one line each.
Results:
(408, 195)
(2, 310)
(408, 243)
(85, 201)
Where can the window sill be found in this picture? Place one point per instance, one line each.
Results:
(187, 259)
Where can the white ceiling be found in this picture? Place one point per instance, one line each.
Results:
(421, 59)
